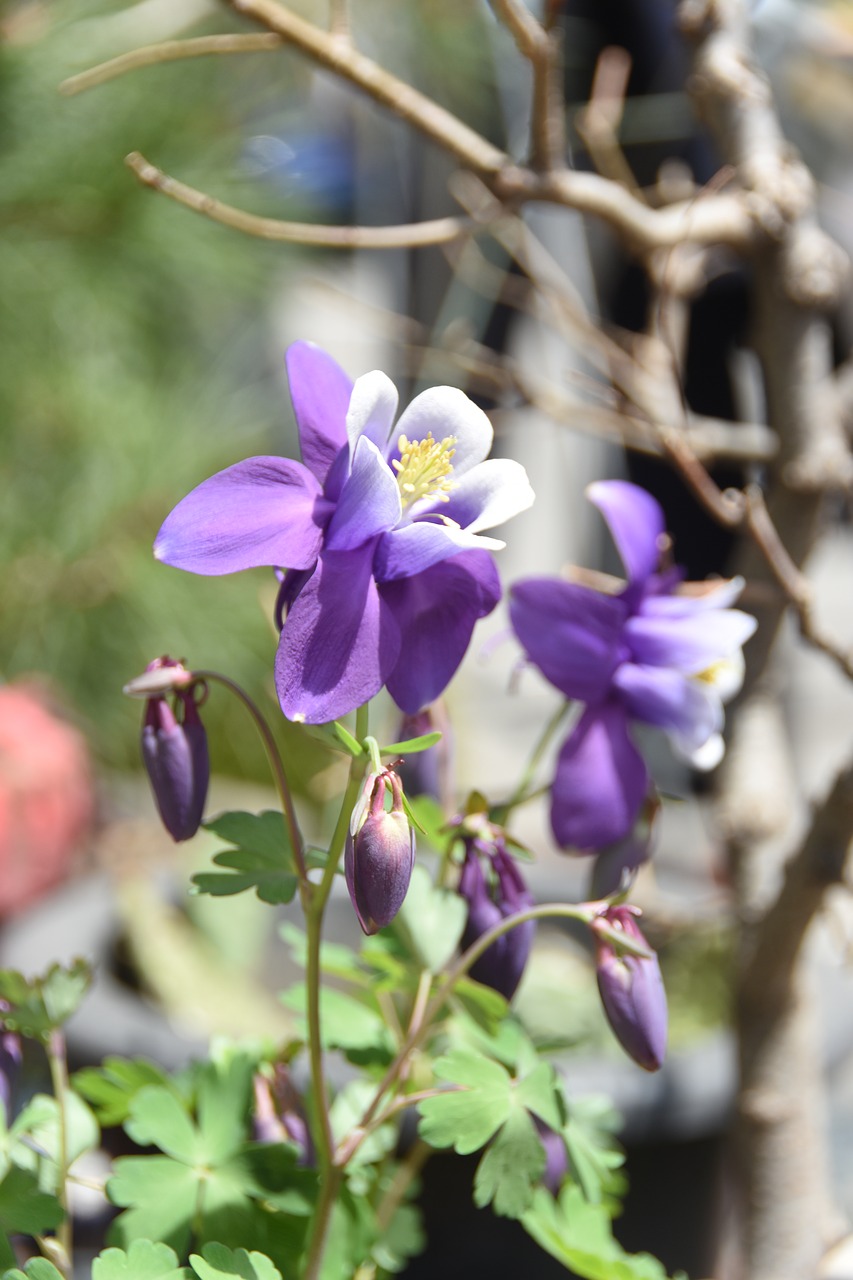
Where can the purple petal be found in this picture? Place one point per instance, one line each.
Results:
(320, 391)
(636, 523)
(633, 996)
(572, 633)
(677, 604)
(369, 503)
(339, 641)
(264, 511)
(669, 700)
(690, 643)
(436, 611)
(600, 783)
(415, 547)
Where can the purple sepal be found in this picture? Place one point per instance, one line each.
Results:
(278, 1114)
(11, 1056)
(556, 1156)
(379, 857)
(632, 993)
(600, 781)
(176, 758)
(502, 964)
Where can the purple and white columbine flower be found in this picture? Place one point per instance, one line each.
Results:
(380, 529)
(654, 650)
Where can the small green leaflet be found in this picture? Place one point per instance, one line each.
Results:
(261, 860)
(580, 1235)
(112, 1087)
(219, 1263)
(594, 1154)
(24, 1208)
(38, 1006)
(412, 746)
(346, 1022)
(430, 820)
(404, 1238)
(510, 1167)
(465, 1119)
(144, 1260)
(33, 1140)
(35, 1269)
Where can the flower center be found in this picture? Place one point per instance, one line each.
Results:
(424, 467)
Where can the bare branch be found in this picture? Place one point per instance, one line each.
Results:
(413, 235)
(542, 49)
(598, 124)
(169, 51)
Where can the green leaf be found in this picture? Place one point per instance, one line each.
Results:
(594, 1154)
(346, 1112)
(350, 744)
(223, 1102)
(262, 859)
(431, 919)
(24, 1207)
(402, 1239)
(218, 1262)
(335, 958)
(412, 746)
(160, 1197)
(430, 819)
(144, 1260)
(465, 1119)
(537, 1092)
(112, 1087)
(35, 1269)
(346, 1023)
(580, 1236)
(38, 1006)
(511, 1166)
(158, 1118)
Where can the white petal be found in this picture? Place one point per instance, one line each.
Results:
(707, 757)
(371, 409)
(726, 676)
(447, 411)
(493, 492)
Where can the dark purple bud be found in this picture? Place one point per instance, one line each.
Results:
(175, 755)
(632, 991)
(425, 773)
(279, 1115)
(556, 1156)
(379, 855)
(10, 1067)
(502, 964)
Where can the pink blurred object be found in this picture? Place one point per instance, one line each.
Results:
(46, 796)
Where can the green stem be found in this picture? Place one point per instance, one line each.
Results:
(330, 1174)
(57, 1058)
(520, 794)
(277, 768)
(411, 1166)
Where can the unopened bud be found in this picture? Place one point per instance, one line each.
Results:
(632, 991)
(279, 1115)
(379, 855)
(502, 964)
(175, 755)
(424, 773)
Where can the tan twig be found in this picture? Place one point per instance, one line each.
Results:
(542, 50)
(413, 235)
(598, 124)
(169, 51)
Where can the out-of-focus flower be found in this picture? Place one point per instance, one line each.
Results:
(653, 650)
(425, 773)
(556, 1156)
(632, 991)
(380, 528)
(174, 751)
(379, 854)
(492, 896)
(279, 1115)
(46, 796)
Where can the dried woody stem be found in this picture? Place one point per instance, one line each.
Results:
(542, 50)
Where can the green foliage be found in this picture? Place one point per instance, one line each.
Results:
(38, 1006)
(431, 920)
(350, 1022)
(112, 1087)
(579, 1235)
(219, 1263)
(143, 1260)
(211, 1183)
(594, 1155)
(24, 1206)
(412, 746)
(34, 1269)
(262, 858)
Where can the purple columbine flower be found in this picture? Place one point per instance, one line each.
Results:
(493, 896)
(632, 991)
(174, 751)
(380, 528)
(379, 853)
(654, 650)
(278, 1114)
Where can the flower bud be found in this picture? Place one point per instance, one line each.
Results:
(379, 855)
(556, 1156)
(632, 992)
(425, 773)
(502, 964)
(175, 755)
(279, 1115)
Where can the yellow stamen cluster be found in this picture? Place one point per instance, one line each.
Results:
(423, 468)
